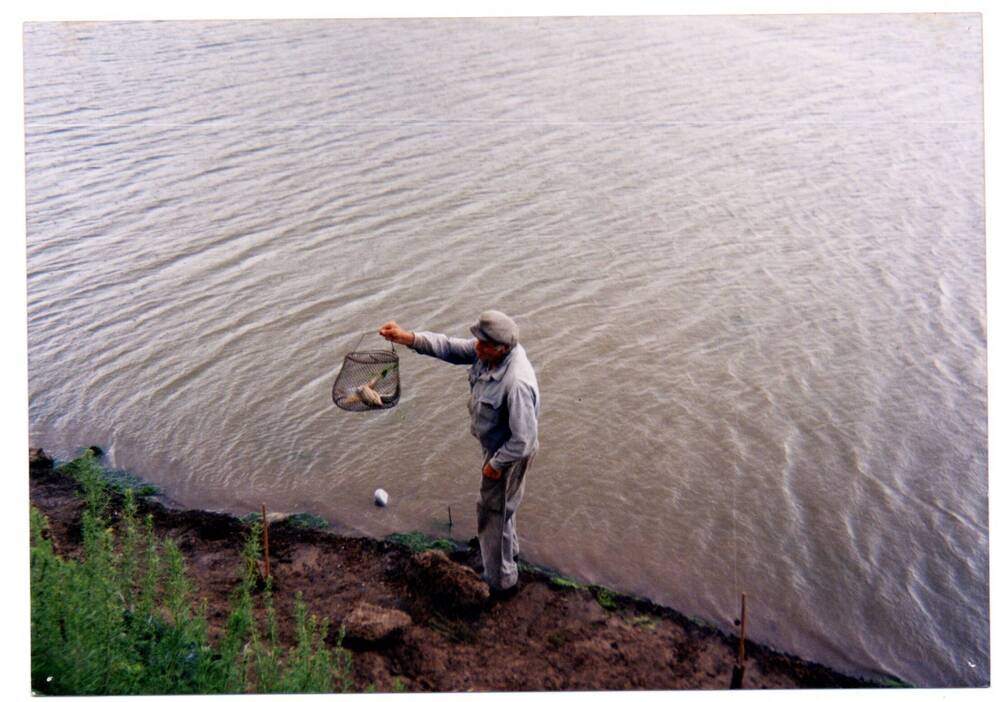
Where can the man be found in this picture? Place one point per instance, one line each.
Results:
(504, 407)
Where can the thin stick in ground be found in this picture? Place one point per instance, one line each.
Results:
(267, 555)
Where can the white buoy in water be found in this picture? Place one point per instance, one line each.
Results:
(381, 497)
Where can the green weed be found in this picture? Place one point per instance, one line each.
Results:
(565, 583)
(556, 639)
(606, 598)
(643, 621)
(304, 520)
(87, 469)
(417, 542)
(894, 682)
(452, 629)
(121, 620)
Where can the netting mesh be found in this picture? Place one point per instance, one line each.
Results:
(368, 380)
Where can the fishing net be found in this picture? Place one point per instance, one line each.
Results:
(368, 380)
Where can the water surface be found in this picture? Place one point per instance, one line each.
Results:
(747, 255)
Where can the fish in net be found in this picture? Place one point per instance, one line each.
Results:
(368, 379)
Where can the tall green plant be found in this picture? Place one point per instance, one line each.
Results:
(120, 620)
(263, 664)
(311, 666)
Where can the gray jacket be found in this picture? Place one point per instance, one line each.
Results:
(504, 406)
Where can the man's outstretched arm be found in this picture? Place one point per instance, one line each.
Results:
(450, 349)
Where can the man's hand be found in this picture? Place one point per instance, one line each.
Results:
(396, 334)
(491, 472)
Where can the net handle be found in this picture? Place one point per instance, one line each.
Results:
(375, 332)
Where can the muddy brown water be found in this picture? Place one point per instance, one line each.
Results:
(747, 255)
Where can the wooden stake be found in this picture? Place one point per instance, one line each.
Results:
(743, 629)
(267, 559)
(736, 682)
(449, 517)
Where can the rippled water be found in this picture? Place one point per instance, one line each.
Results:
(746, 253)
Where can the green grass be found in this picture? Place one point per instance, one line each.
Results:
(454, 630)
(554, 577)
(417, 542)
(606, 598)
(894, 682)
(644, 621)
(121, 619)
(304, 520)
(564, 583)
(299, 520)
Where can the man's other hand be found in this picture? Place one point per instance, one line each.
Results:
(491, 472)
(396, 334)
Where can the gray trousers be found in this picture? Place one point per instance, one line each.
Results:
(495, 510)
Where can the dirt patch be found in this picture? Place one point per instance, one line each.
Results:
(450, 588)
(551, 635)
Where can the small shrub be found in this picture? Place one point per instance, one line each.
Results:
(311, 666)
(88, 471)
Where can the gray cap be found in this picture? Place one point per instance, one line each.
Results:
(496, 328)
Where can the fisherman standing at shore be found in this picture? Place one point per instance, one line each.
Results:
(504, 407)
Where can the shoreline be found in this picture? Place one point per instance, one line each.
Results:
(555, 634)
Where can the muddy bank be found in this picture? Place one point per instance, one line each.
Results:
(422, 618)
